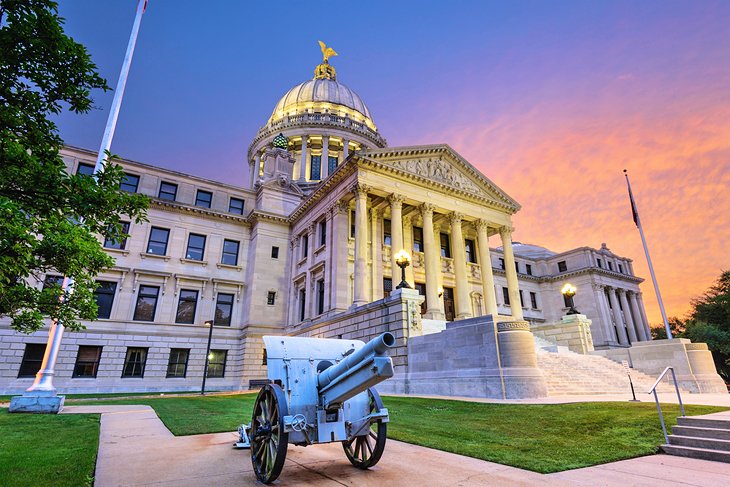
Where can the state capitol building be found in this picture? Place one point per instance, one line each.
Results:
(308, 245)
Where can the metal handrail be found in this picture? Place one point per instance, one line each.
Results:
(656, 398)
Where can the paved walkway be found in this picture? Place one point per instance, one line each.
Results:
(136, 449)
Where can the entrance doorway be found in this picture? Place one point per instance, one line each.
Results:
(449, 309)
(421, 288)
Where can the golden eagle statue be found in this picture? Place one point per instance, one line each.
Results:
(327, 52)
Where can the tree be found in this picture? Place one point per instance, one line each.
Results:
(50, 221)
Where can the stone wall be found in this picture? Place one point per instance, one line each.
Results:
(572, 331)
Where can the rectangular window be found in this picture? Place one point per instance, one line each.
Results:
(87, 361)
(223, 309)
(235, 206)
(217, 363)
(505, 295)
(610, 265)
(274, 252)
(533, 300)
(158, 241)
(271, 298)
(146, 303)
(352, 224)
(177, 366)
(600, 263)
(421, 288)
(168, 191)
(120, 245)
(620, 268)
(32, 359)
(417, 239)
(134, 362)
(52, 280)
(501, 264)
(528, 269)
(196, 247)
(322, 232)
(387, 240)
(230, 252)
(445, 245)
(85, 169)
(522, 301)
(105, 298)
(517, 267)
(562, 266)
(302, 303)
(305, 245)
(130, 183)
(331, 164)
(320, 296)
(203, 198)
(186, 306)
(316, 168)
(471, 251)
(387, 286)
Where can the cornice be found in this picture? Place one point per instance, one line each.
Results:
(176, 207)
(258, 215)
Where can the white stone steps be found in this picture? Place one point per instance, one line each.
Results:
(701, 453)
(719, 433)
(706, 437)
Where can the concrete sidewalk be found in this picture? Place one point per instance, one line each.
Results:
(135, 448)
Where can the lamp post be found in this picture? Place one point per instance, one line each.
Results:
(207, 356)
(403, 259)
(569, 291)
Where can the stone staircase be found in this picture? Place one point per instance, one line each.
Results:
(705, 437)
(569, 373)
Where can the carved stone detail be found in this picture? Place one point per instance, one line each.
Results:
(513, 326)
(427, 209)
(439, 171)
(360, 189)
(396, 200)
(455, 218)
(481, 224)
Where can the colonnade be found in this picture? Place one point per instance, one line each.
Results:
(432, 261)
(621, 311)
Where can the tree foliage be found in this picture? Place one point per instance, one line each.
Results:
(50, 221)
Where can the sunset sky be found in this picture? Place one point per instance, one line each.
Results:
(551, 100)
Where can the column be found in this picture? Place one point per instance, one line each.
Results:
(485, 267)
(638, 322)
(408, 245)
(511, 273)
(303, 166)
(361, 244)
(458, 252)
(603, 314)
(328, 277)
(345, 149)
(622, 338)
(432, 264)
(396, 234)
(642, 311)
(339, 266)
(631, 328)
(376, 254)
(252, 174)
(324, 166)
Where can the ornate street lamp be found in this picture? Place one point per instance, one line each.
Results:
(403, 259)
(207, 355)
(569, 291)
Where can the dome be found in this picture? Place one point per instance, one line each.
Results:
(320, 94)
(531, 251)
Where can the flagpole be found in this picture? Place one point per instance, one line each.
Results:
(43, 383)
(637, 220)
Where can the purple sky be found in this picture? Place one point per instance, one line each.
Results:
(549, 99)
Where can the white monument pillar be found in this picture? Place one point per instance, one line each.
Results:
(511, 273)
(303, 166)
(603, 314)
(638, 322)
(396, 234)
(324, 167)
(433, 308)
(631, 328)
(458, 252)
(485, 266)
(408, 245)
(376, 255)
(622, 338)
(361, 244)
(345, 149)
(340, 282)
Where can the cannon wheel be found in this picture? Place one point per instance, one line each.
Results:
(365, 451)
(268, 439)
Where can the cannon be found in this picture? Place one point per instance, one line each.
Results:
(320, 391)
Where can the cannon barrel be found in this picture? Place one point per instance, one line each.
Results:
(357, 372)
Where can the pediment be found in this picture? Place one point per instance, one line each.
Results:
(443, 166)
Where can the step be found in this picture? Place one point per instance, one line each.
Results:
(705, 443)
(700, 453)
(701, 422)
(720, 434)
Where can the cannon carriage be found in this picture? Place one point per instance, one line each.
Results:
(320, 391)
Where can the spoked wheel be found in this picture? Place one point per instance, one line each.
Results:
(268, 439)
(365, 451)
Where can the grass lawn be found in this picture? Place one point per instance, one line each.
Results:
(541, 438)
(44, 449)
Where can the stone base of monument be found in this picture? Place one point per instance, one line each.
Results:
(38, 403)
(572, 331)
(692, 362)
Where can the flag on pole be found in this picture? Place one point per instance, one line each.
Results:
(634, 212)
